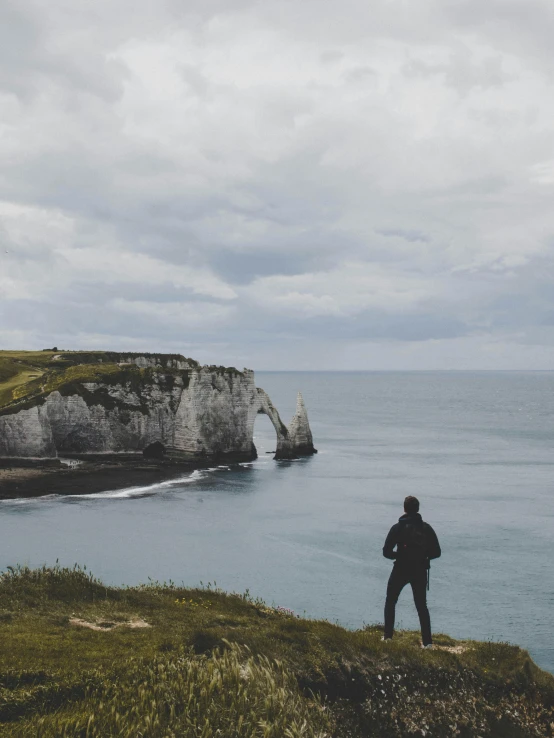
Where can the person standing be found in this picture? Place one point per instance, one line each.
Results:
(416, 543)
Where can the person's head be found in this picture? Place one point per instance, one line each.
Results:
(411, 505)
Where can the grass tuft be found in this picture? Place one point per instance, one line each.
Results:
(229, 693)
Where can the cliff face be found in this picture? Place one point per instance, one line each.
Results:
(195, 412)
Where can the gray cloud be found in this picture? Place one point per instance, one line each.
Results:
(409, 235)
(279, 184)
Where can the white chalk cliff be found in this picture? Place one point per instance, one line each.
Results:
(194, 412)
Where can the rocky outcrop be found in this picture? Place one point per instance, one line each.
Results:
(300, 434)
(193, 412)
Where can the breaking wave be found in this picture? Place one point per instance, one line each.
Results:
(125, 493)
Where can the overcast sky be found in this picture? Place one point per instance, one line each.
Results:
(324, 184)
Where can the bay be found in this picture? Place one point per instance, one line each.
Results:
(477, 449)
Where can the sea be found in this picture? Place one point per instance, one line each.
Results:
(476, 448)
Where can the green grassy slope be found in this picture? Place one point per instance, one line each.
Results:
(17, 368)
(28, 377)
(214, 664)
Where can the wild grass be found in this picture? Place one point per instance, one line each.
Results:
(228, 693)
(226, 662)
(17, 369)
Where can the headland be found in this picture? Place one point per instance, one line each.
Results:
(89, 421)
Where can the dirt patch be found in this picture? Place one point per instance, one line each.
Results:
(109, 624)
(452, 649)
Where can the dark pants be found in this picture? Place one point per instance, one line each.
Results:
(399, 578)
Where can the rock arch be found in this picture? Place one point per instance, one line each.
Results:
(265, 406)
(296, 440)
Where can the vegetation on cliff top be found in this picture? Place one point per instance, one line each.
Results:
(215, 664)
(28, 377)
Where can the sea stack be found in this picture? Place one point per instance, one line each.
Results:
(300, 434)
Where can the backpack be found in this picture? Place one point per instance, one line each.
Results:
(414, 543)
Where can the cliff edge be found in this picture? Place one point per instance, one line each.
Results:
(83, 658)
(62, 403)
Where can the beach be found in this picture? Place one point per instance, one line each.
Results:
(26, 478)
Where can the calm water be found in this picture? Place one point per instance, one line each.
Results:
(476, 448)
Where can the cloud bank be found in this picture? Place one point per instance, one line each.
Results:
(279, 184)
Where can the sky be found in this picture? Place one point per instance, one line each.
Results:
(278, 184)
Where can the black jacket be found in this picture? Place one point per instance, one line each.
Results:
(395, 538)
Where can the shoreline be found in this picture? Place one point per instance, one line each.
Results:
(24, 479)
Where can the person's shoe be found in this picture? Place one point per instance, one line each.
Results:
(386, 639)
(428, 645)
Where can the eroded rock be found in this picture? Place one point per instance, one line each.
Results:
(190, 411)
